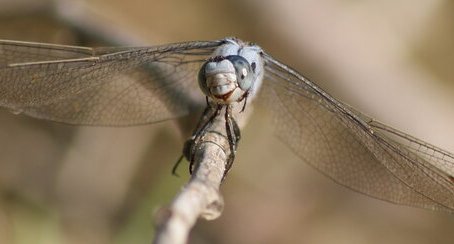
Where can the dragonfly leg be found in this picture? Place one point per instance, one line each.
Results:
(233, 135)
(175, 166)
(245, 96)
(191, 145)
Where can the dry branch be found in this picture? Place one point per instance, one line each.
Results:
(200, 197)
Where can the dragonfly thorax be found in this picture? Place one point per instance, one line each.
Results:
(226, 79)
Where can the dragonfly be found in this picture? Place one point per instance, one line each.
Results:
(126, 86)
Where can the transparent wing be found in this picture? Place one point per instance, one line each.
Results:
(353, 149)
(101, 86)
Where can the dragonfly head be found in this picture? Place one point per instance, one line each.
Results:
(226, 79)
(235, 70)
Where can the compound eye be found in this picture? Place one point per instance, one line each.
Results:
(243, 69)
(202, 80)
(243, 73)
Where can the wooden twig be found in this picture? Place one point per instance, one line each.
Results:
(200, 197)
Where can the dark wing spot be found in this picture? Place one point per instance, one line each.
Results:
(253, 66)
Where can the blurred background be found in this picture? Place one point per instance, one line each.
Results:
(390, 59)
